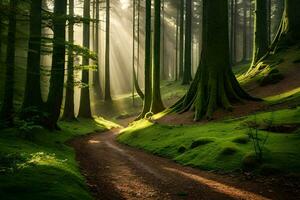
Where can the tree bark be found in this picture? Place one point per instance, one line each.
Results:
(148, 67)
(33, 97)
(289, 29)
(156, 105)
(85, 102)
(181, 40)
(96, 76)
(214, 85)
(261, 35)
(69, 101)
(187, 69)
(107, 95)
(55, 97)
(7, 111)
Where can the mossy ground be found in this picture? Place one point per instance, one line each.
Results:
(228, 142)
(42, 166)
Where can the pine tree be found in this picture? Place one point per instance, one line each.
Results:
(107, 95)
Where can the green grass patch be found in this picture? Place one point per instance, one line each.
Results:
(223, 145)
(43, 167)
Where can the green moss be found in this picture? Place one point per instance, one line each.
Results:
(229, 150)
(281, 150)
(200, 142)
(43, 167)
(250, 162)
(244, 139)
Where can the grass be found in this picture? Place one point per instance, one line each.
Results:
(44, 167)
(221, 145)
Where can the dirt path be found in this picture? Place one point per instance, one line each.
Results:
(115, 171)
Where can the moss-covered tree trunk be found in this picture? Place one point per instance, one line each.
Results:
(156, 104)
(107, 94)
(187, 69)
(32, 96)
(215, 85)
(55, 97)
(148, 67)
(85, 102)
(289, 29)
(261, 36)
(7, 111)
(68, 113)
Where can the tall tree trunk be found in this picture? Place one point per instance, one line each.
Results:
(245, 31)
(55, 96)
(85, 102)
(215, 84)
(177, 42)
(69, 101)
(148, 67)
(261, 35)
(289, 30)
(181, 43)
(33, 97)
(187, 70)
(156, 105)
(32, 101)
(7, 111)
(233, 31)
(107, 95)
(96, 76)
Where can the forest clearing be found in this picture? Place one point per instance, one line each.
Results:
(149, 99)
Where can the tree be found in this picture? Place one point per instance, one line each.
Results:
(181, 39)
(96, 77)
(156, 104)
(187, 69)
(85, 106)
(148, 68)
(32, 96)
(107, 95)
(55, 96)
(214, 85)
(7, 110)
(261, 36)
(69, 101)
(289, 29)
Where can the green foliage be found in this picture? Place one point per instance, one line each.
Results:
(200, 142)
(45, 167)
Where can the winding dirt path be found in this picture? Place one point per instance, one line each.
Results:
(115, 171)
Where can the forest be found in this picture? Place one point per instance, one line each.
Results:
(149, 99)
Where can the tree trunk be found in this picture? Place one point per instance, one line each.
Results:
(289, 30)
(69, 101)
(7, 111)
(148, 67)
(177, 42)
(214, 85)
(33, 97)
(107, 95)
(181, 43)
(96, 76)
(55, 96)
(156, 105)
(85, 102)
(187, 70)
(245, 30)
(261, 35)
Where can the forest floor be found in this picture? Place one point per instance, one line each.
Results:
(116, 171)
